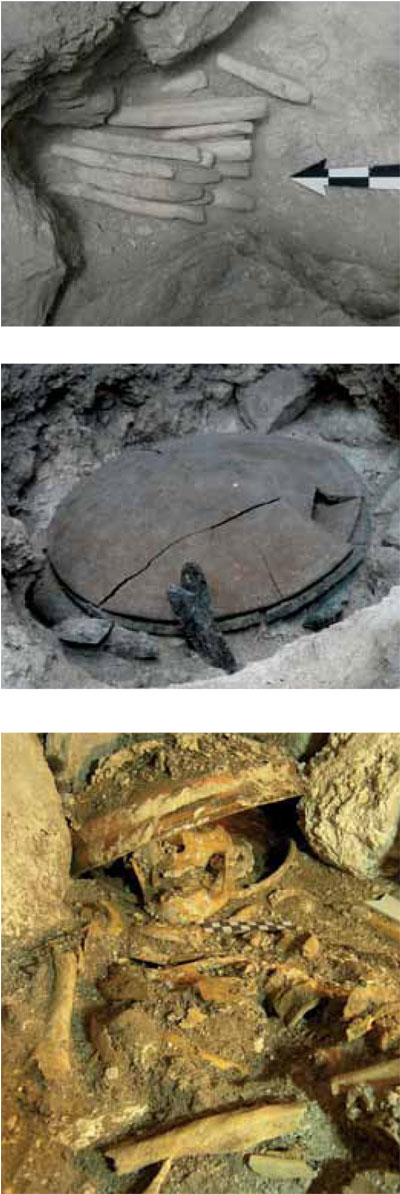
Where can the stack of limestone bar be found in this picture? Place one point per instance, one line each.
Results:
(168, 159)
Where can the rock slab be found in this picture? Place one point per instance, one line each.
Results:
(35, 840)
(277, 399)
(351, 813)
(180, 28)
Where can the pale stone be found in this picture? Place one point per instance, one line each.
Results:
(35, 840)
(351, 814)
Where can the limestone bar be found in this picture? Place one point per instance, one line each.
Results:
(138, 207)
(173, 114)
(112, 161)
(231, 149)
(140, 146)
(242, 128)
(142, 188)
(277, 85)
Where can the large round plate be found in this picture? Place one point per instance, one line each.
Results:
(272, 521)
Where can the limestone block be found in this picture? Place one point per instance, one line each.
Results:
(351, 813)
(35, 841)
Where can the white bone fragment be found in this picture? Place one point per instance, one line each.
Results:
(195, 80)
(266, 80)
(235, 149)
(141, 188)
(140, 146)
(229, 197)
(172, 113)
(138, 207)
(281, 1166)
(112, 161)
(242, 128)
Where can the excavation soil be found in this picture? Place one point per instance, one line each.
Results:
(149, 1051)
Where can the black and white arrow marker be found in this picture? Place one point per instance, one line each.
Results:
(320, 178)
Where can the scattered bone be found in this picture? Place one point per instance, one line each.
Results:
(233, 149)
(266, 80)
(293, 1005)
(142, 188)
(172, 114)
(228, 197)
(384, 925)
(172, 806)
(141, 147)
(389, 907)
(222, 990)
(112, 161)
(101, 1040)
(138, 207)
(311, 948)
(53, 1054)
(384, 1073)
(242, 128)
(280, 1166)
(232, 1131)
(177, 1041)
(195, 80)
(158, 1181)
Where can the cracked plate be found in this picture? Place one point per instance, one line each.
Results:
(274, 522)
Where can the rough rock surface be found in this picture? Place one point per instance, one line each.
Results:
(32, 269)
(31, 657)
(73, 756)
(40, 41)
(362, 652)
(184, 26)
(276, 399)
(351, 813)
(17, 553)
(35, 840)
